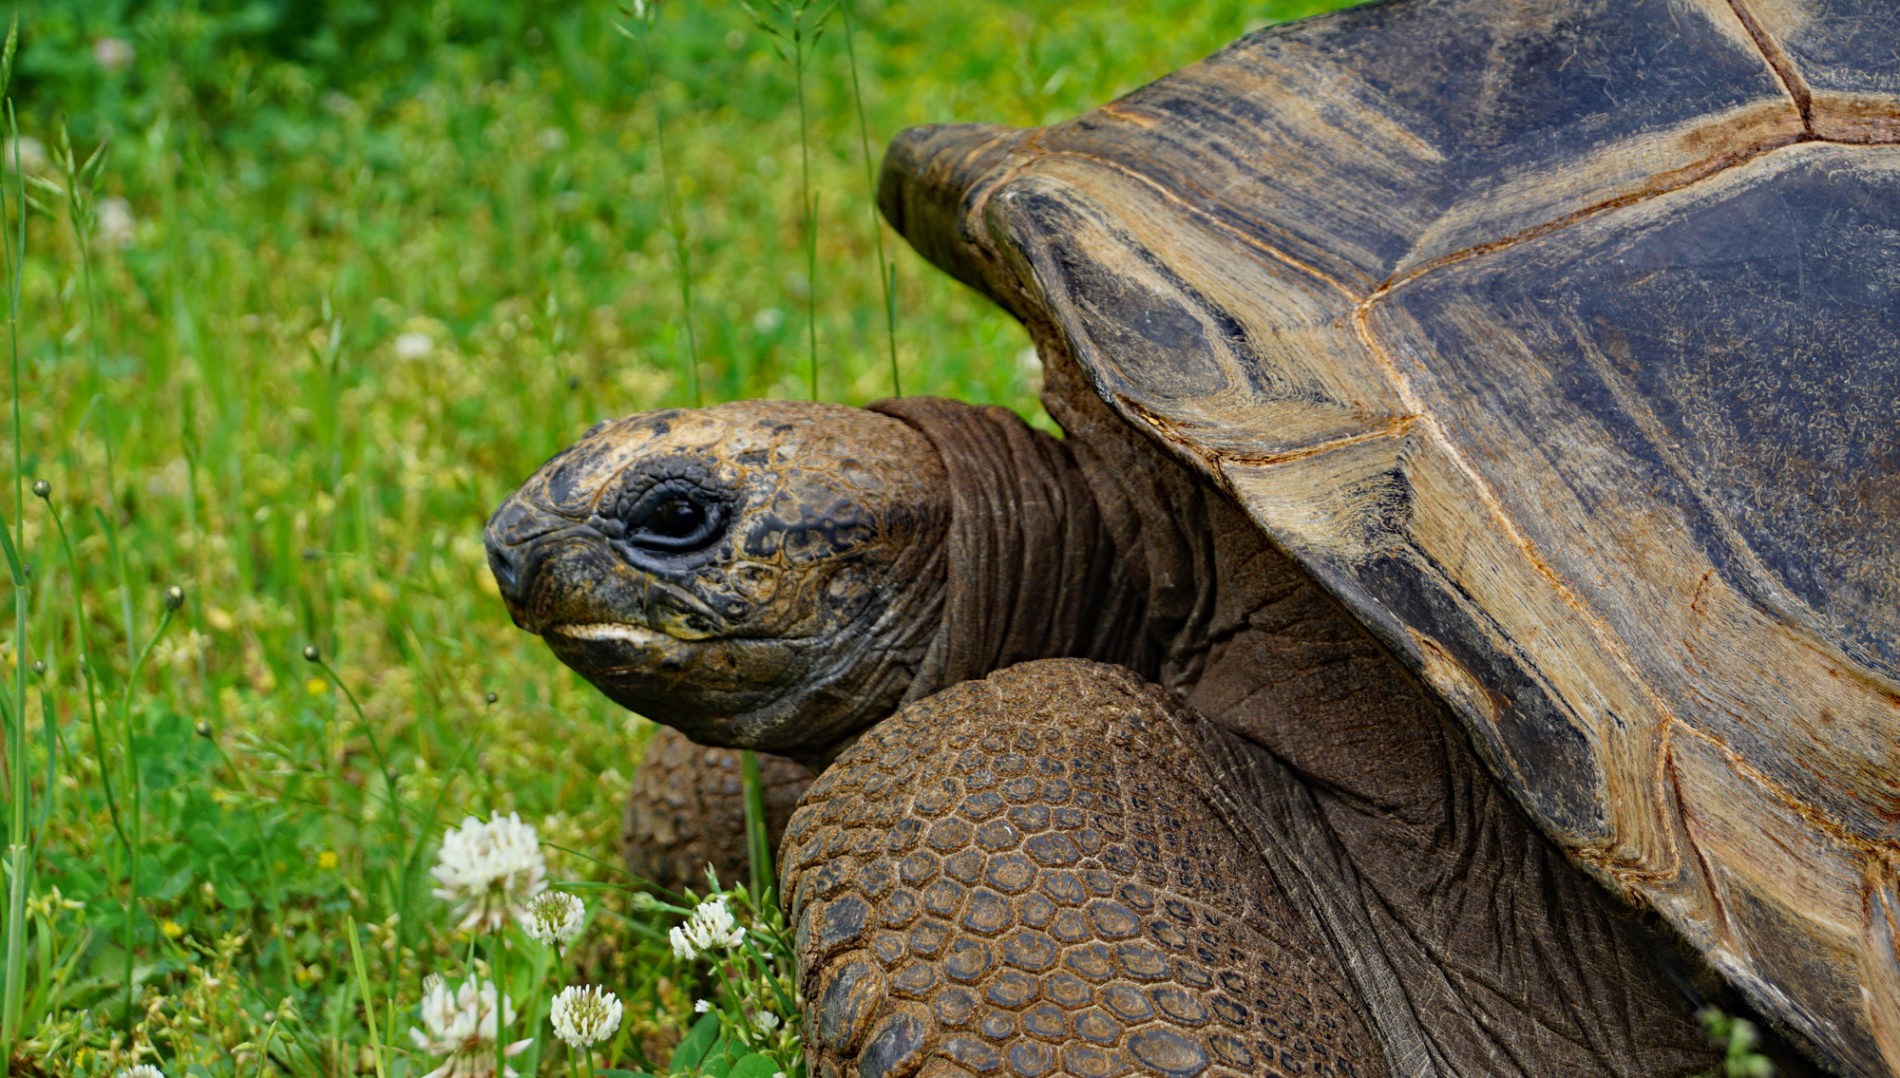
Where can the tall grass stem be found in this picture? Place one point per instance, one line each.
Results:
(647, 15)
(13, 985)
(886, 270)
(758, 842)
(499, 963)
(135, 812)
(400, 886)
(804, 185)
(369, 1002)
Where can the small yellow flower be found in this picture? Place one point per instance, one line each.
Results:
(316, 686)
(172, 929)
(326, 860)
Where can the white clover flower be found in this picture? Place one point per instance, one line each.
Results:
(414, 345)
(113, 54)
(143, 1070)
(33, 160)
(462, 1025)
(584, 1015)
(553, 918)
(113, 222)
(764, 1021)
(711, 927)
(702, 1006)
(490, 870)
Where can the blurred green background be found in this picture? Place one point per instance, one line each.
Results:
(307, 288)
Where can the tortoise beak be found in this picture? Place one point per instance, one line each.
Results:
(515, 554)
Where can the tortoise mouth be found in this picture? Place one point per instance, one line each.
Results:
(638, 635)
(724, 690)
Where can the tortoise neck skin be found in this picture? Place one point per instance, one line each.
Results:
(1033, 571)
(780, 575)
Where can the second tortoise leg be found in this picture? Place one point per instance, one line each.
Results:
(687, 811)
(1034, 874)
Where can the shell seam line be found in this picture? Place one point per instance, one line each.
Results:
(1610, 643)
(1670, 182)
(1809, 814)
(1725, 929)
(1779, 62)
(1212, 220)
(1394, 427)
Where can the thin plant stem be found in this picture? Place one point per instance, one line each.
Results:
(13, 986)
(85, 674)
(399, 887)
(369, 1000)
(135, 791)
(500, 962)
(758, 844)
(803, 36)
(263, 1051)
(804, 184)
(886, 271)
(646, 14)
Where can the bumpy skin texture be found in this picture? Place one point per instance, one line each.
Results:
(687, 811)
(1034, 874)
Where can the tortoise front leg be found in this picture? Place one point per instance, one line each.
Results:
(1037, 874)
(687, 811)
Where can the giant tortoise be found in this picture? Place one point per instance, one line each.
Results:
(1460, 631)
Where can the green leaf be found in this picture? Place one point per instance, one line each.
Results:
(696, 1045)
(719, 1058)
(754, 1065)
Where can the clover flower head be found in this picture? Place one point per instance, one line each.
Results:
(113, 222)
(143, 1070)
(764, 1021)
(462, 1024)
(490, 869)
(114, 54)
(702, 1006)
(711, 927)
(553, 918)
(584, 1015)
(414, 345)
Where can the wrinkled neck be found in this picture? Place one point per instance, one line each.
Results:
(1033, 568)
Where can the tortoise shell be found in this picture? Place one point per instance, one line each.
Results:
(1561, 343)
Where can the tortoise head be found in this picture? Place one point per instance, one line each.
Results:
(762, 574)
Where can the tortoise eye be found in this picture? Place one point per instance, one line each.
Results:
(675, 518)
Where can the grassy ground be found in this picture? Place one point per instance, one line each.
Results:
(335, 287)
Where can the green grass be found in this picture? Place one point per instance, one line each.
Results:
(333, 290)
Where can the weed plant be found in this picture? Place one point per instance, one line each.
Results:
(295, 296)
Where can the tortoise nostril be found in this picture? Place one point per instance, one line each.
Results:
(506, 566)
